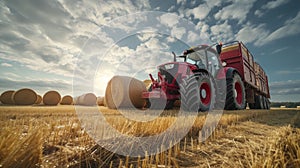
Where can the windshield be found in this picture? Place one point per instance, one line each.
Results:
(199, 58)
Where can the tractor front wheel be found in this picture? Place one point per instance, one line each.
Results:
(197, 92)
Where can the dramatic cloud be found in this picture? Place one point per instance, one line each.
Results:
(222, 32)
(252, 34)
(6, 64)
(237, 10)
(291, 27)
(290, 87)
(270, 5)
(169, 19)
(199, 12)
(274, 4)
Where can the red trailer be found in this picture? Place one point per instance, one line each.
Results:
(236, 55)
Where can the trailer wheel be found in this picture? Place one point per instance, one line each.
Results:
(266, 103)
(251, 105)
(197, 92)
(259, 102)
(235, 98)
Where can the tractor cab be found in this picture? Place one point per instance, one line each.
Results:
(204, 57)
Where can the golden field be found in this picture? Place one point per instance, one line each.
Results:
(51, 136)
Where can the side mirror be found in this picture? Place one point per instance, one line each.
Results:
(219, 48)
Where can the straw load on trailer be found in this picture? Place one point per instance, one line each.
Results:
(24, 97)
(88, 99)
(67, 100)
(6, 97)
(124, 92)
(51, 98)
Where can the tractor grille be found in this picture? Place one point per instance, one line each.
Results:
(169, 73)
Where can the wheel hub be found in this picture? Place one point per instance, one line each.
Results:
(205, 93)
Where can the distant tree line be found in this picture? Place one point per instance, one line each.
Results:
(287, 104)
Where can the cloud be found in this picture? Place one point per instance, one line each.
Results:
(178, 32)
(237, 10)
(199, 12)
(169, 19)
(48, 36)
(37, 85)
(274, 4)
(294, 71)
(258, 13)
(172, 8)
(6, 64)
(252, 33)
(270, 5)
(279, 50)
(222, 32)
(290, 87)
(202, 10)
(213, 3)
(291, 27)
(181, 2)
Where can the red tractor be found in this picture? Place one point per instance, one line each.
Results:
(207, 78)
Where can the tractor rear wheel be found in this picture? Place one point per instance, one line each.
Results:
(235, 98)
(197, 92)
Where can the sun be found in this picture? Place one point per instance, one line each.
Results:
(100, 83)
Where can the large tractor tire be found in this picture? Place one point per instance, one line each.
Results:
(259, 102)
(197, 93)
(236, 97)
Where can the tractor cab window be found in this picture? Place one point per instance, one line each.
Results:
(199, 58)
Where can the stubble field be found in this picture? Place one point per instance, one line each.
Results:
(52, 136)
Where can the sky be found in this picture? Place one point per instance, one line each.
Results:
(76, 46)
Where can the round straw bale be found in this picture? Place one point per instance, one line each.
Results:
(7, 97)
(24, 97)
(147, 83)
(124, 92)
(100, 101)
(51, 98)
(67, 100)
(38, 99)
(88, 99)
